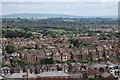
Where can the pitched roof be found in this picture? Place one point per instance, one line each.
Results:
(106, 74)
(52, 74)
(22, 75)
(1, 77)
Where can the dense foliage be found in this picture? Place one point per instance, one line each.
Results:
(10, 48)
(16, 33)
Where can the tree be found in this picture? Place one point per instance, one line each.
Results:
(58, 61)
(75, 42)
(70, 61)
(21, 63)
(10, 48)
(47, 61)
(16, 33)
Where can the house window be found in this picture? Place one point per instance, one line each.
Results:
(95, 68)
(23, 76)
(116, 67)
(106, 67)
(110, 68)
(117, 73)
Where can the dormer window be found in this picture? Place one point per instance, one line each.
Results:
(23, 75)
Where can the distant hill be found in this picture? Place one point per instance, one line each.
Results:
(38, 15)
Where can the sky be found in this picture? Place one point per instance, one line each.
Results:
(69, 7)
(60, 0)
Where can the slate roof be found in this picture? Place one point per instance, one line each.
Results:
(106, 74)
(22, 75)
(60, 73)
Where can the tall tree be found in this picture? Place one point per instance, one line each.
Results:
(10, 48)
